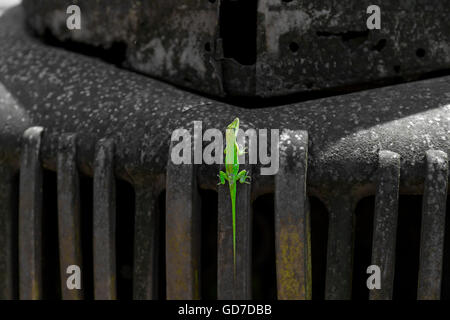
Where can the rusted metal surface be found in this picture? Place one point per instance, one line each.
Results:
(163, 38)
(231, 285)
(182, 232)
(385, 223)
(292, 221)
(338, 283)
(299, 45)
(433, 226)
(30, 217)
(145, 276)
(69, 215)
(345, 51)
(140, 113)
(346, 133)
(104, 234)
(8, 232)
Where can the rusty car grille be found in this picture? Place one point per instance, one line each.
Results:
(179, 263)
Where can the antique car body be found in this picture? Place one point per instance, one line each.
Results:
(86, 118)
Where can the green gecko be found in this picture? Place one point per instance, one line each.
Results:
(232, 174)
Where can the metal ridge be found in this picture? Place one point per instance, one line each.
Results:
(67, 92)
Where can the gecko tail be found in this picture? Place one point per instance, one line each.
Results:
(233, 208)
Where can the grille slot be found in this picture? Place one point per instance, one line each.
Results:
(338, 281)
(408, 247)
(146, 242)
(9, 186)
(125, 206)
(208, 274)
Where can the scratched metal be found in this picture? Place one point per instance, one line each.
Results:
(292, 229)
(104, 234)
(69, 219)
(231, 285)
(385, 223)
(433, 226)
(182, 232)
(30, 217)
(145, 277)
(8, 235)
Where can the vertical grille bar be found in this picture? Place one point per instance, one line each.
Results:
(30, 217)
(69, 220)
(292, 230)
(7, 233)
(145, 277)
(229, 285)
(104, 234)
(385, 223)
(182, 232)
(433, 226)
(338, 283)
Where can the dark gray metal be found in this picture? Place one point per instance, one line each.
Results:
(433, 226)
(346, 133)
(182, 232)
(30, 217)
(297, 46)
(231, 286)
(8, 232)
(385, 223)
(292, 221)
(69, 215)
(146, 240)
(311, 45)
(104, 233)
(162, 38)
(338, 283)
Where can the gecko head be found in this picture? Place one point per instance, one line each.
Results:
(234, 124)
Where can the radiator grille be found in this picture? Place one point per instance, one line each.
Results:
(168, 263)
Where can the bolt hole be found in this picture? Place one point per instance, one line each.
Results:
(286, 1)
(309, 84)
(420, 53)
(380, 45)
(397, 69)
(208, 47)
(293, 46)
(212, 1)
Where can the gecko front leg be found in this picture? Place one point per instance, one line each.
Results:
(243, 176)
(239, 151)
(223, 177)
